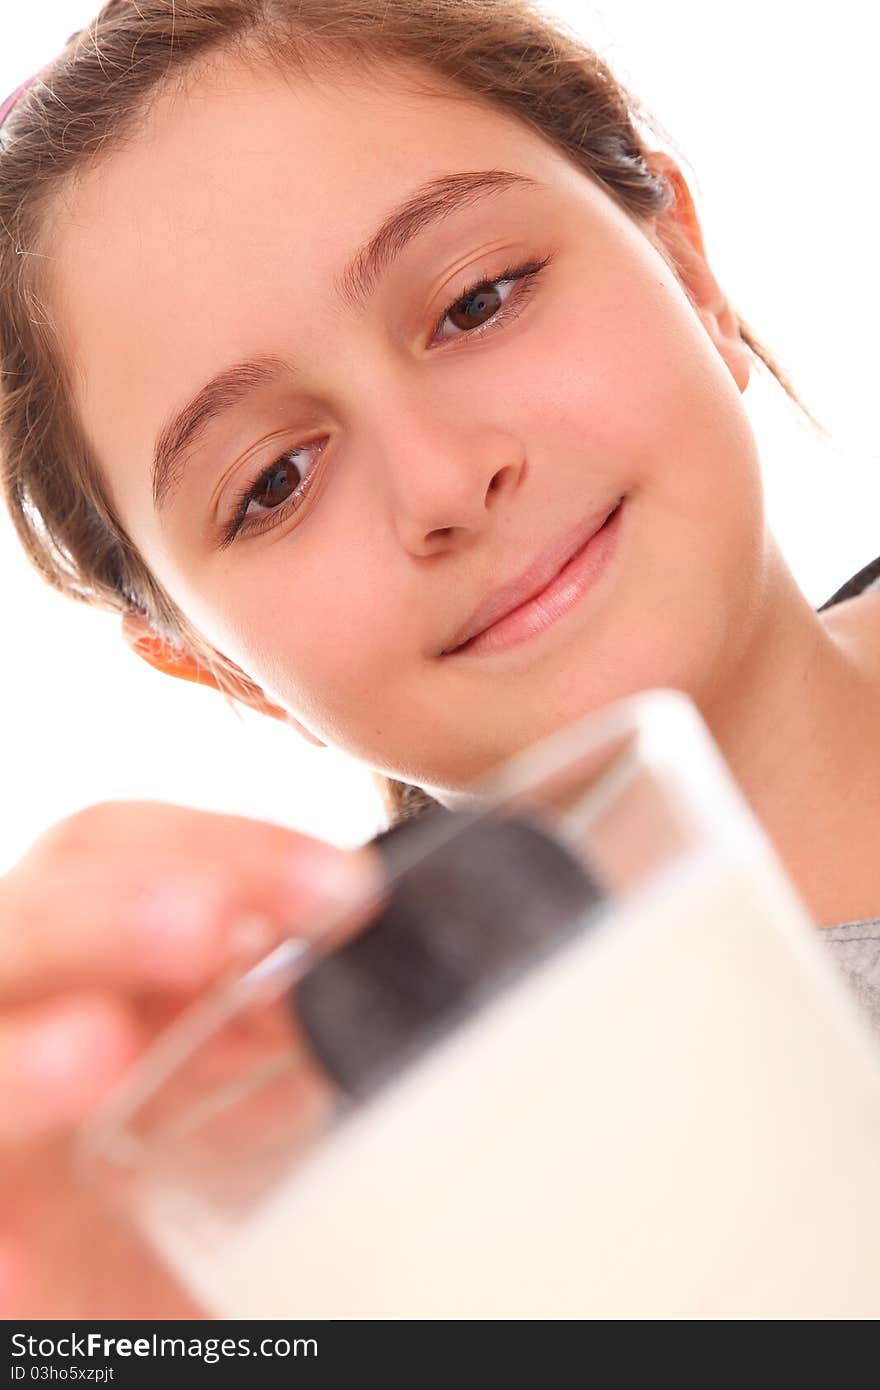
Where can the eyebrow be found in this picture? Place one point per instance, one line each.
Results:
(427, 205)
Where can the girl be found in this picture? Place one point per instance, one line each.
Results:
(332, 332)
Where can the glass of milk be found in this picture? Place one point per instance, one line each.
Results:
(587, 1060)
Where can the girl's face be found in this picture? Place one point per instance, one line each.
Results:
(407, 452)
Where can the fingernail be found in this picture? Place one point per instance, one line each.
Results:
(251, 937)
(177, 923)
(342, 880)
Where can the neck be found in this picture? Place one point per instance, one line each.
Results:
(798, 721)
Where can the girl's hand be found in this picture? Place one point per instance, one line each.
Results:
(109, 925)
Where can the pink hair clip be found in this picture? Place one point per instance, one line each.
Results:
(11, 100)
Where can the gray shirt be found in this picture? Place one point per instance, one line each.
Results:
(855, 946)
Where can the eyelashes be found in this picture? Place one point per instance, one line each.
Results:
(520, 278)
(252, 494)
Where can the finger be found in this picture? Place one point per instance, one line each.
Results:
(14, 1283)
(57, 1060)
(170, 901)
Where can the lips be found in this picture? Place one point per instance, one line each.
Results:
(505, 600)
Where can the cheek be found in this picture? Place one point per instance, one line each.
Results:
(637, 378)
(318, 634)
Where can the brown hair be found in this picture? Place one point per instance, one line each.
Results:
(507, 52)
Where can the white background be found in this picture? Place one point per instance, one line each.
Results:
(772, 106)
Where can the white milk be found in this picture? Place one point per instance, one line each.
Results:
(676, 1116)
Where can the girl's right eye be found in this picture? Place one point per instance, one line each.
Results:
(282, 487)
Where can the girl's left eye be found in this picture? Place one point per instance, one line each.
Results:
(281, 494)
(480, 299)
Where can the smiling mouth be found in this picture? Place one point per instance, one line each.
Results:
(554, 584)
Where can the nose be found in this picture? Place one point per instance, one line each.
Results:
(447, 480)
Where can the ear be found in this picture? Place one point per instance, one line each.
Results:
(175, 661)
(678, 229)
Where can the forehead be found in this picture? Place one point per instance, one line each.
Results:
(215, 160)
